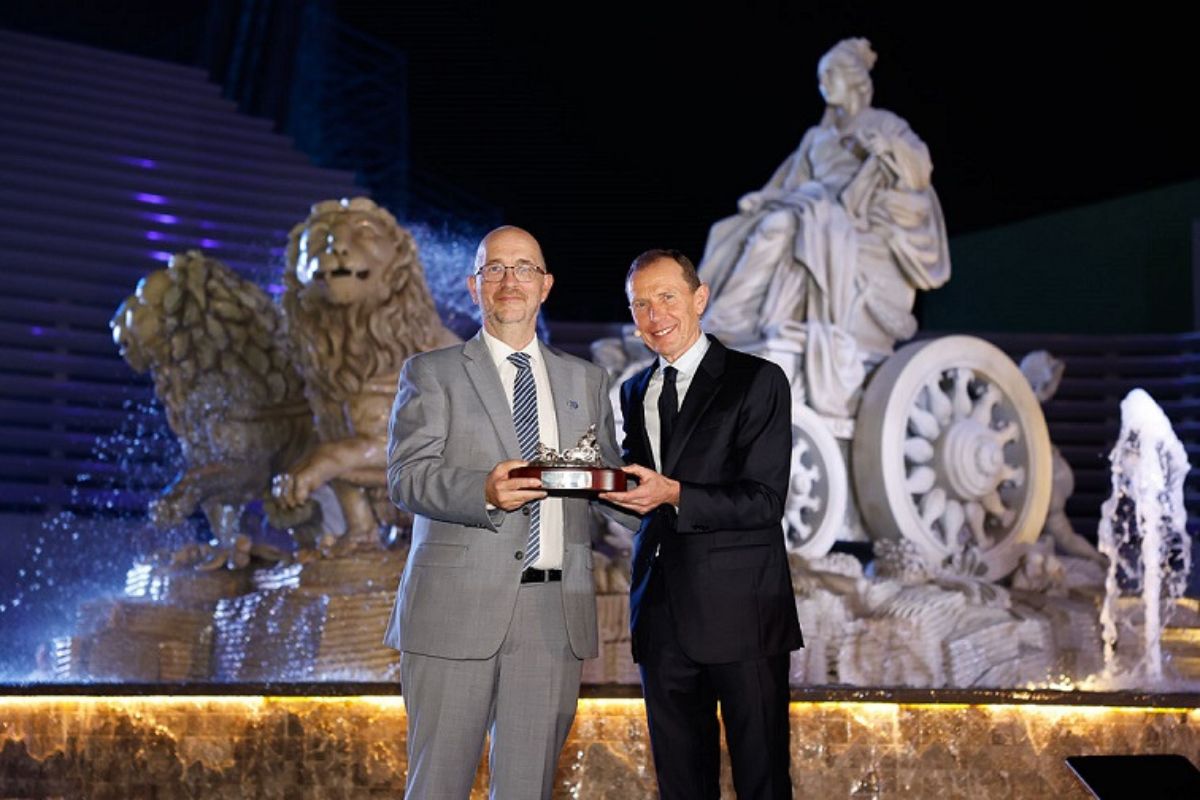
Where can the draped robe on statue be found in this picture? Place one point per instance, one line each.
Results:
(829, 261)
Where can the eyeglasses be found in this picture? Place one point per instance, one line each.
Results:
(494, 273)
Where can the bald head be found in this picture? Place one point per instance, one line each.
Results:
(508, 237)
(509, 303)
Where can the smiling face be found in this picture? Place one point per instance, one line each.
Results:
(344, 254)
(510, 307)
(666, 310)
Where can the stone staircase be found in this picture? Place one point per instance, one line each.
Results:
(108, 164)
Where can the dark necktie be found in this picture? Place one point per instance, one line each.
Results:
(668, 410)
(525, 418)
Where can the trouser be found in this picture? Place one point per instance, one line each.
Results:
(681, 710)
(524, 697)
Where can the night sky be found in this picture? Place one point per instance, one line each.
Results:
(608, 128)
(640, 128)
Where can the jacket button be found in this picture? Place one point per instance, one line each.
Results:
(518, 555)
(525, 510)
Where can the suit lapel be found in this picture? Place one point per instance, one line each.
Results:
(483, 375)
(569, 392)
(637, 413)
(700, 393)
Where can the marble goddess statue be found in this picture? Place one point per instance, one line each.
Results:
(826, 258)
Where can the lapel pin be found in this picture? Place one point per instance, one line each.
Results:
(572, 404)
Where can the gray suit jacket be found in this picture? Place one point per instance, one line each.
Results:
(450, 425)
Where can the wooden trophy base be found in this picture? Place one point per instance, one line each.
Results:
(560, 480)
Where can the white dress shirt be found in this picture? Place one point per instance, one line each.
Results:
(686, 364)
(551, 525)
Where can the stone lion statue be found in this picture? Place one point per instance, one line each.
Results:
(357, 305)
(214, 345)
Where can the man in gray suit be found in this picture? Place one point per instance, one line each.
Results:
(496, 607)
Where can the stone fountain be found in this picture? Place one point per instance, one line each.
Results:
(280, 408)
(936, 453)
(933, 456)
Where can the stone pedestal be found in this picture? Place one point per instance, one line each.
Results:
(320, 620)
(161, 630)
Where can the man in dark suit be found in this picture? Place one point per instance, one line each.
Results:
(708, 437)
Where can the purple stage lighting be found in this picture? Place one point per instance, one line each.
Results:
(133, 161)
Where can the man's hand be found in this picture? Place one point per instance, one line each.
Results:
(511, 493)
(652, 491)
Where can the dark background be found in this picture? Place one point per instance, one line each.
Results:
(608, 128)
(642, 127)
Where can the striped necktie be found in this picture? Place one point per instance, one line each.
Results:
(525, 418)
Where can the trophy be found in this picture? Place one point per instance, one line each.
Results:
(576, 469)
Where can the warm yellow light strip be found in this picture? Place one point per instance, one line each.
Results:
(396, 701)
(385, 701)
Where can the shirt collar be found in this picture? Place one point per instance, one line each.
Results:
(689, 362)
(501, 351)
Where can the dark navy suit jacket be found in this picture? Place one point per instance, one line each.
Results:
(723, 554)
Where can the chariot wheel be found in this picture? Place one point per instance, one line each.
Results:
(815, 511)
(951, 453)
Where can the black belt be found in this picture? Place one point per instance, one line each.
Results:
(535, 575)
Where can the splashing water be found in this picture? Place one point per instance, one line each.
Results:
(82, 552)
(448, 253)
(1143, 532)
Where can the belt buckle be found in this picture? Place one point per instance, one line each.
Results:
(535, 575)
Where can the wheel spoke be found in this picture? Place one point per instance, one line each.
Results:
(982, 412)
(804, 478)
(1014, 474)
(952, 521)
(962, 398)
(994, 505)
(1007, 433)
(975, 521)
(922, 423)
(918, 450)
(932, 506)
(921, 480)
(939, 404)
